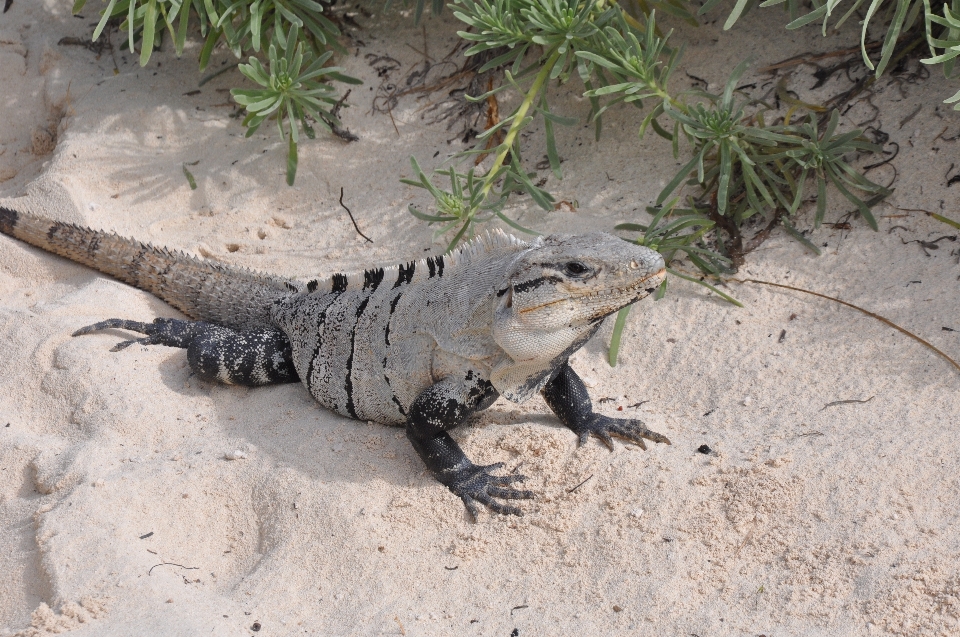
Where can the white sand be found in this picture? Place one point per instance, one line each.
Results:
(808, 520)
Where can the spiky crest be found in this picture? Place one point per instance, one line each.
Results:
(420, 270)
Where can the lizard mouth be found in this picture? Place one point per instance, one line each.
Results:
(604, 292)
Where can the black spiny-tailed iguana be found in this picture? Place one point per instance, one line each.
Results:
(421, 345)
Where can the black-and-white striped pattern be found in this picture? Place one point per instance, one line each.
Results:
(366, 345)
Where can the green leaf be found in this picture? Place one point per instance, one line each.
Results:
(821, 201)
(796, 234)
(727, 99)
(618, 326)
(893, 32)
(735, 14)
(726, 171)
(131, 24)
(149, 31)
(859, 203)
(292, 160)
(723, 295)
(181, 36)
(949, 222)
(190, 180)
(679, 177)
(596, 59)
(103, 20)
(709, 4)
(425, 217)
(513, 224)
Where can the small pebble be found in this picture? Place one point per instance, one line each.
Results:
(637, 513)
(747, 400)
(704, 449)
(236, 454)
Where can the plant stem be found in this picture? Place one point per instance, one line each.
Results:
(517, 123)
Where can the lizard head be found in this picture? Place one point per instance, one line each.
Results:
(562, 286)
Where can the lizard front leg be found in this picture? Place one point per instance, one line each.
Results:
(215, 353)
(435, 411)
(568, 398)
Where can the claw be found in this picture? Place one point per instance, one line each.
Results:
(471, 507)
(605, 437)
(632, 430)
(493, 505)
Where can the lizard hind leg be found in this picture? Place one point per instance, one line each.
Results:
(169, 332)
(215, 353)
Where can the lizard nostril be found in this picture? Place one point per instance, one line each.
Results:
(634, 265)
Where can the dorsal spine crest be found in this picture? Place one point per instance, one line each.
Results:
(434, 266)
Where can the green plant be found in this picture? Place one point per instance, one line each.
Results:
(591, 39)
(744, 167)
(941, 33)
(299, 36)
(948, 42)
(673, 232)
(288, 94)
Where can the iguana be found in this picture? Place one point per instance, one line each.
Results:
(422, 345)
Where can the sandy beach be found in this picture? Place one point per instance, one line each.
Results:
(827, 506)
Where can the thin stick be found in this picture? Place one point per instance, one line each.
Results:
(580, 485)
(189, 568)
(806, 58)
(846, 402)
(859, 309)
(356, 227)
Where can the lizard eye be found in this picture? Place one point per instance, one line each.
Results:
(575, 268)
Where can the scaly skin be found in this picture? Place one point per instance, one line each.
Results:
(421, 345)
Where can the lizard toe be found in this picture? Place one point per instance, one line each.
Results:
(508, 479)
(475, 484)
(498, 507)
(510, 494)
(604, 427)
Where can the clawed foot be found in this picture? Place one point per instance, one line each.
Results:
(474, 484)
(162, 331)
(604, 427)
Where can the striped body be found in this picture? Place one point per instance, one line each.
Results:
(423, 344)
(367, 346)
(496, 316)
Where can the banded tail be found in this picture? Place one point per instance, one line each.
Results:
(203, 290)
